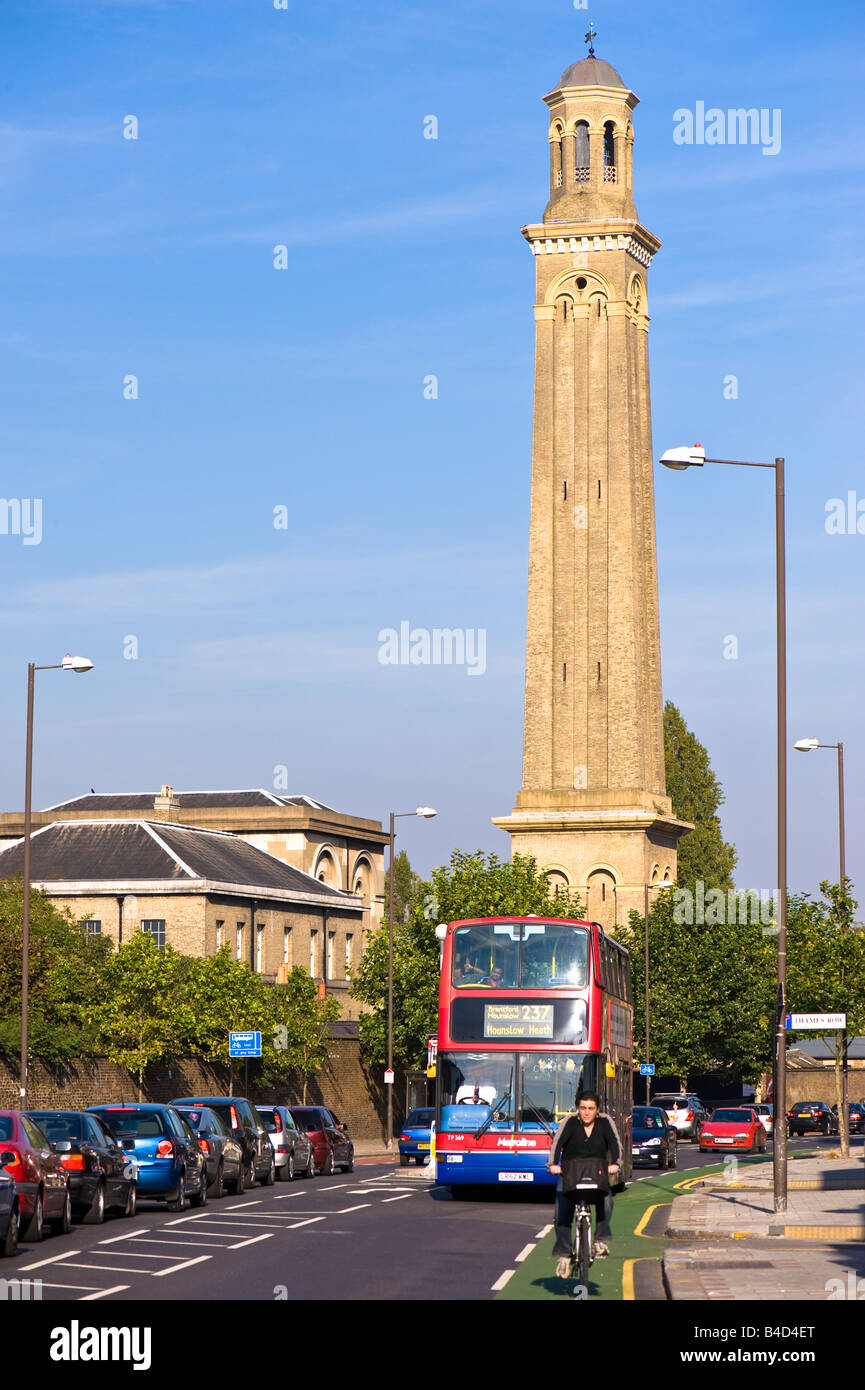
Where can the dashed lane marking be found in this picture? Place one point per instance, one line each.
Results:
(103, 1293)
(309, 1222)
(502, 1280)
(51, 1260)
(524, 1253)
(401, 1198)
(544, 1231)
(253, 1240)
(199, 1259)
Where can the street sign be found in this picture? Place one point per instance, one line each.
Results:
(244, 1044)
(388, 1077)
(816, 1021)
(647, 1069)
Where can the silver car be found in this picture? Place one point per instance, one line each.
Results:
(687, 1113)
(295, 1156)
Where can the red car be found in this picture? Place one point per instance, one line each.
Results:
(733, 1129)
(41, 1181)
(328, 1136)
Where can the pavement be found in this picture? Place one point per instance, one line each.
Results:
(728, 1243)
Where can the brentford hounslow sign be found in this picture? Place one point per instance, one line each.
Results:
(807, 1021)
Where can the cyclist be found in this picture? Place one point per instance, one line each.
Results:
(588, 1143)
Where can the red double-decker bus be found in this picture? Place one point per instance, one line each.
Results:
(532, 1011)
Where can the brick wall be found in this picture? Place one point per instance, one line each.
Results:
(354, 1091)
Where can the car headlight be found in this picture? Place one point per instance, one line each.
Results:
(740, 1136)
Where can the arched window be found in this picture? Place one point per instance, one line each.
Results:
(556, 171)
(609, 153)
(581, 152)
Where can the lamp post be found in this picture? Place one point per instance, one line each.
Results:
(664, 883)
(805, 745)
(80, 664)
(695, 457)
(427, 812)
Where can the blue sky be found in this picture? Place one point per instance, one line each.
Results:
(303, 388)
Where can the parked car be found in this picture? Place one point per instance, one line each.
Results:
(8, 1215)
(686, 1112)
(733, 1128)
(295, 1155)
(102, 1175)
(811, 1116)
(223, 1156)
(247, 1127)
(856, 1116)
(170, 1164)
(765, 1114)
(653, 1138)
(328, 1136)
(414, 1139)
(41, 1181)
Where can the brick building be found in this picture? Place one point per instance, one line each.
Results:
(197, 890)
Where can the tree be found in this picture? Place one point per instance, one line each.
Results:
(65, 977)
(471, 885)
(826, 971)
(696, 795)
(146, 1014)
(300, 1029)
(405, 885)
(706, 1013)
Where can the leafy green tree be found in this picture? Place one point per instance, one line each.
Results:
(65, 977)
(826, 970)
(146, 1014)
(711, 990)
(299, 1041)
(405, 885)
(471, 885)
(696, 795)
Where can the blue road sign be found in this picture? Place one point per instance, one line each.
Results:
(647, 1069)
(244, 1044)
(788, 1020)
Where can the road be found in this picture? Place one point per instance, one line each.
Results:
(380, 1233)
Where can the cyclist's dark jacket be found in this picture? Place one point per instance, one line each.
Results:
(582, 1156)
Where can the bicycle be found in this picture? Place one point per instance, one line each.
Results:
(581, 1237)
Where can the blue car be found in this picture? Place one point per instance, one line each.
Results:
(171, 1166)
(654, 1139)
(414, 1139)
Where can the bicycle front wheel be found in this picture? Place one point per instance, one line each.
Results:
(584, 1247)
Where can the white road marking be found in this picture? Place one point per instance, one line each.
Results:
(268, 1235)
(47, 1284)
(130, 1235)
(102, 1293)
(242, 1205)
(544, 1231)
(309, 1222)
(502, 1280)
(199, 1259)
(304, 1192)
(184, 1240)
(524, 1254)
(389, 1199)
(115, 1269)
(52, 1259)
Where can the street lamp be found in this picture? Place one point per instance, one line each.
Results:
(695, 457)
(805, 745)
(80, 665)
(427, 812)
(664, 883)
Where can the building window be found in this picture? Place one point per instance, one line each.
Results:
(286, 945)
(219, 927)
(240, 941)
(331, 947)
(348, 940)
(92, 927)
(581, 151)
(312, 940)
(609, 148)
(155, 927)
(259, 939)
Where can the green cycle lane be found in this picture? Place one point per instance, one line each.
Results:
(621, 1275)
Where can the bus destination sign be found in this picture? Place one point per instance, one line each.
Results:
(518, 1021)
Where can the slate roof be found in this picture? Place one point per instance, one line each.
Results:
(141, 851)
(143, 801)
(590, 72)
(823, 1048)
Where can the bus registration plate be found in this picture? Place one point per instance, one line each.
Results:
(516, 1177)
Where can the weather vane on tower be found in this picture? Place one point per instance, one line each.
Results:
(590, 37)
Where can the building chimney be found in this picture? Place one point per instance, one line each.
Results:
(166, 802)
